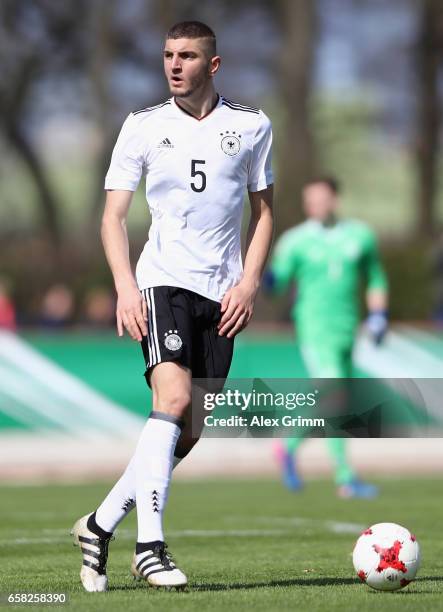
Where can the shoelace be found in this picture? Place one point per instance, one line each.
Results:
(102, 545)
(103, 555)
(165, 557)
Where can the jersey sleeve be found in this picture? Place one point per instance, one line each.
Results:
(372, 265)
(126, 166)
(283, 262)
(260, 170)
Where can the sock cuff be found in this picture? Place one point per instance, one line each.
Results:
(141, 547)
(169, 418)
(92, 526)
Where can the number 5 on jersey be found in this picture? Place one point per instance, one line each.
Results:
(200, 184)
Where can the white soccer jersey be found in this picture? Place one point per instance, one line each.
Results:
(197, 171)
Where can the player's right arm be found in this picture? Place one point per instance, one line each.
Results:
(121, 181)
(131, 311)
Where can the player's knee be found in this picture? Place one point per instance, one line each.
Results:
(173, 401)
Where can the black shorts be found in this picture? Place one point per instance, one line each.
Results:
(182, 327)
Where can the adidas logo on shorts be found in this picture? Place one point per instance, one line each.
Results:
(165, 144)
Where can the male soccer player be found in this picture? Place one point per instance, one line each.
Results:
(192, 293)
(328, 257)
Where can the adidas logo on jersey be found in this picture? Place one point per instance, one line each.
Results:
(165, 144)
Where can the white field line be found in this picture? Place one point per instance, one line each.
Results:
(185, 533)
(296, 521)
(89, 404)
(400, 358)
(287, 528)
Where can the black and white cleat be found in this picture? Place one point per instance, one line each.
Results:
(95, 555)
(157, 567)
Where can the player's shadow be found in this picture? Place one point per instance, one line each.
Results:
(320, 582)
(238, 586)
(418, 589)
(316, 582)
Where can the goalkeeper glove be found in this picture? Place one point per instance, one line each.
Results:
(377, 325)
(269, 281)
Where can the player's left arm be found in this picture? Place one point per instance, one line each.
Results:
(238, 303)
(376, 291)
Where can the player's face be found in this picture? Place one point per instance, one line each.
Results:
(319, 201)
(187, 66)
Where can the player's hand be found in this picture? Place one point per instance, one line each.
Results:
(377, 325)
(132, 312)
(236, 308)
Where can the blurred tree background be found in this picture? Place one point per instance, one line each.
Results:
(353, 87)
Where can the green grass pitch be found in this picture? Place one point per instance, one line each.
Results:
(244, 544)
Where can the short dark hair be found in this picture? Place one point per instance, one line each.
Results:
(331, 181)
(194, 29)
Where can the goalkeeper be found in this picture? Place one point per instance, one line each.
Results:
(328, 257)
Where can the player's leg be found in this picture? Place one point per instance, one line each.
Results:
(321, 361)
(146, 479)
(153, 461)
(336, 362)
(349, 485)
(121, 499)
(211, 361)
(94, 531)
(328, 361)
(168, 371)
(286, 449)
(153, 458)
(193, 425)
(118, 503)
(285, 452)
(343, 470)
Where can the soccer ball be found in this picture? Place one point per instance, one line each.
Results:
(386, 557)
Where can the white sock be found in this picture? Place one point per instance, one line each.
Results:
(119, 501)
(121, 498)
(153, 466)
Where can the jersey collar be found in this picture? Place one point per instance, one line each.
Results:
(181, 110)
(318, 225)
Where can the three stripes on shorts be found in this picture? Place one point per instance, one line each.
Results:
(152, 338)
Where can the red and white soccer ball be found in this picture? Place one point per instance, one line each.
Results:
(386, 557)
